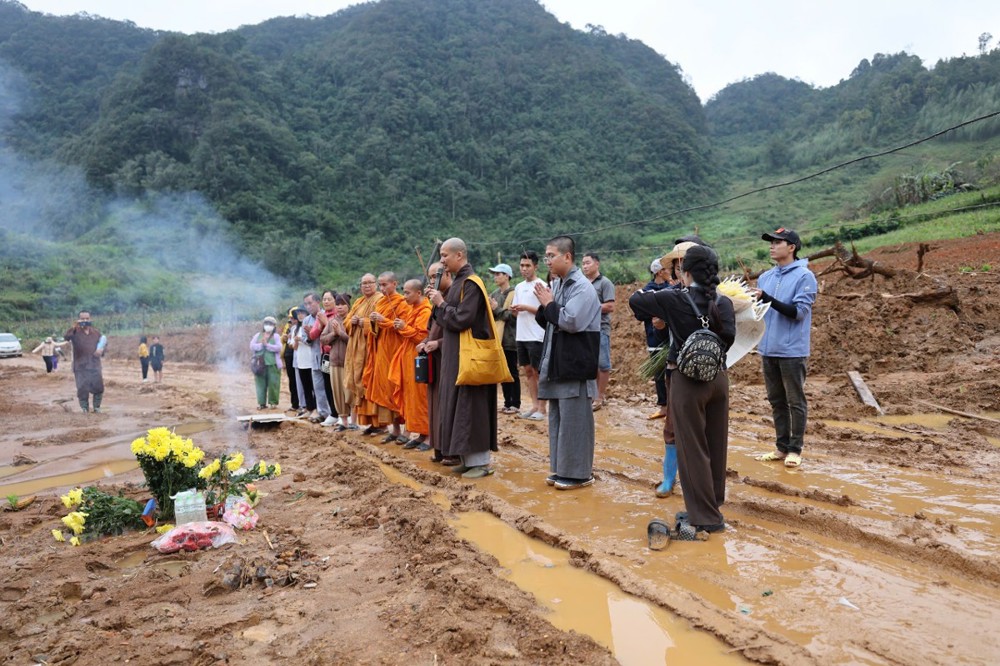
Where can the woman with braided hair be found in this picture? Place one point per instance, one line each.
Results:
(700, 409)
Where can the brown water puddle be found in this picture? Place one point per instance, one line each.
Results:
(636, 632)
(734, 570)
(108, 460)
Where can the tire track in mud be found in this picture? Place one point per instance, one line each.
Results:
(810, 538)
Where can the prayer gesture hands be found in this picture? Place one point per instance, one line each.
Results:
(543, 294)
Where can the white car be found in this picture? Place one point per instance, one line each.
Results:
(9, 345)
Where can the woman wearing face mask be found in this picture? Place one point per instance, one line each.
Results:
(267, 343)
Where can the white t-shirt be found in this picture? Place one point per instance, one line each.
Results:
(528, 329)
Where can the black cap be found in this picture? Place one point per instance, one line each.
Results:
(691, 238)
(784, 234)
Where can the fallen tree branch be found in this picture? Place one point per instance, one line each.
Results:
(948, 410)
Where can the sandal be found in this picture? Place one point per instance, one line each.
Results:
(424, 446)
(793, 460)
(772, 456)
(658, 534)
(477, 472)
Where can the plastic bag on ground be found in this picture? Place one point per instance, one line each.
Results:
(195, 536)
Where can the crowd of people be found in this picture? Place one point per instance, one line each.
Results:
(361, 363)
(401, 366)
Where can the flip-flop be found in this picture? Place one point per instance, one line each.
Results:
(658, 534)
(773, 456)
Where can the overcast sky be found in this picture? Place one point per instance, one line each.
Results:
(715, 43)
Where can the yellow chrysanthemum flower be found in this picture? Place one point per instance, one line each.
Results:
(67, 502)
(277, 469)
(262, 468)
(75, 541)
(75, 495)
(235, 462)
(75, 521)
(138, 446)
(211, 468)
(58, 535)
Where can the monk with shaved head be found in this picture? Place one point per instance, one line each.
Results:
(468, 414)
(409, 396)
(383, 343)
(358, 326)
(437, 277)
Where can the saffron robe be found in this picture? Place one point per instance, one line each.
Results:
(354, 360)
(468, 413)
(383, 343)
(408, 395)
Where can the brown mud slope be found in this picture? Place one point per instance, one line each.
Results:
(881, 549)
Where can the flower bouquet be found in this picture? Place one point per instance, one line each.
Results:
(226, 476)
(98, 514)
(168, 461)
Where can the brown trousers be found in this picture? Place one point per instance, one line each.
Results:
(700, 414)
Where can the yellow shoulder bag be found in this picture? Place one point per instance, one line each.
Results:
(481, 362)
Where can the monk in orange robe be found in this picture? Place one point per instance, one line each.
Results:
(410, 396)
(358, 324)
(383, 343)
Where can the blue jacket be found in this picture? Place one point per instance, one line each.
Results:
(794, 284)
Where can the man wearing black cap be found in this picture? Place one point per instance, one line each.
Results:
(790, 288)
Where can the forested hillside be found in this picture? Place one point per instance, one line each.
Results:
(323, 147)
(784, 124)
(358, 135)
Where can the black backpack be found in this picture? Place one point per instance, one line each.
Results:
(703, 353)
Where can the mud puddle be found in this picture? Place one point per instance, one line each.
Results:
(101, 461)
(636, 632)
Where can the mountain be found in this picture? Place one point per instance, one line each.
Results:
(334, 145)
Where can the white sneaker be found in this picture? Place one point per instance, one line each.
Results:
(329, 421)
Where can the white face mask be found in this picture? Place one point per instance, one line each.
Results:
(269, 329)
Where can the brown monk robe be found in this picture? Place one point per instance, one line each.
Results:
(383, 343)
(468, 413)
(432, 346)
(408, 395)
(358, 324)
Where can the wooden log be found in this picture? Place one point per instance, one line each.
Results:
(864, 392)
(948, 410)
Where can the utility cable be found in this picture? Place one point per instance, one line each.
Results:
(758, 190)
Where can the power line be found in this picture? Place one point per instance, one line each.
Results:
(834, 225)
(691, 209)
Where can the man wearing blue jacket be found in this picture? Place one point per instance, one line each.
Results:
(790, 288)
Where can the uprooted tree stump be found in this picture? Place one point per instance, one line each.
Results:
(857, 267)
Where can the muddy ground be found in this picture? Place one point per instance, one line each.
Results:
(881, 549)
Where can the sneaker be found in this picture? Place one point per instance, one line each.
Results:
(537, 416)
(329, 421)
(572, 484)
(525, 415)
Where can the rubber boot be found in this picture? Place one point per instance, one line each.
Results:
(97, 402)
(84, 404)
(669, 471)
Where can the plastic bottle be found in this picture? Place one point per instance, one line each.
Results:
(189, 507)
